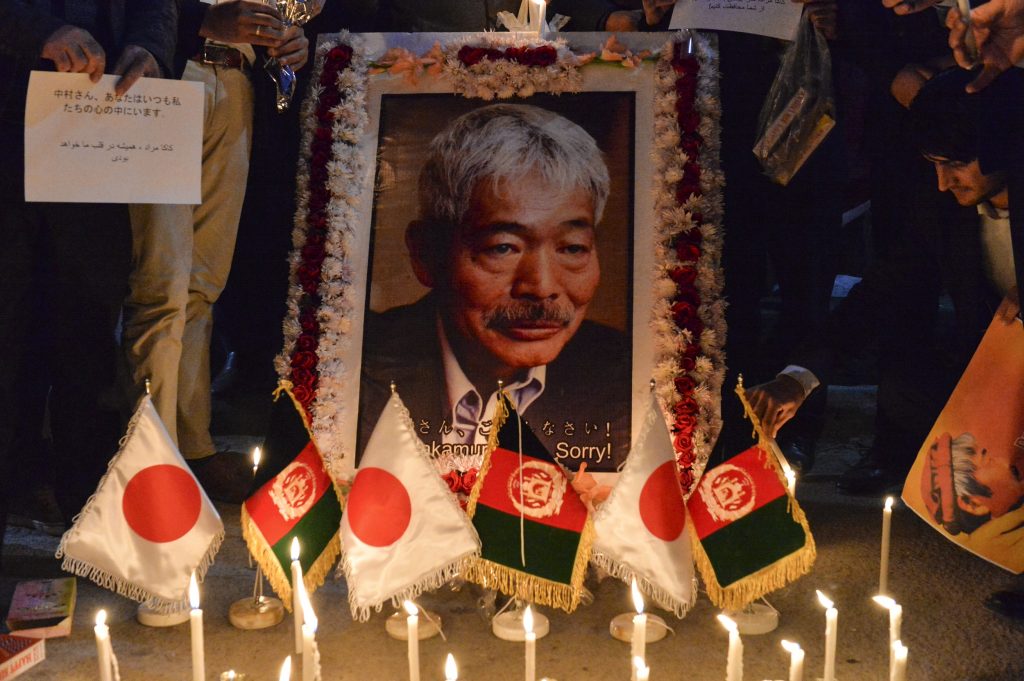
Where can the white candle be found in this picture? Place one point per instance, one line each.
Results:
(895, 624)
(296, 604)
(412, 630)
(103, 647)
(196, 625)
(530, 637)
(310, 654)
(791, 481)
(831, 628)
(539, 9)
(638, 638)
(796, 660)
(643, 672)
(257, 456)
(883, 566)
(286, 670)
(734, 663)
(899, 670)
(451, 671)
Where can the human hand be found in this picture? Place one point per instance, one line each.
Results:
(654, 10)
(909, 6)
(909, 81)
(1010, 307)
(776, 402)
(998, 28)
(293, 50)
(135, 62)
(824, 14)
(74, 50)
(243, 21)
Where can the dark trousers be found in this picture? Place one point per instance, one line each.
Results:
(63, 277)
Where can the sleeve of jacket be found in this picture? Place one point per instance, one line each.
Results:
(24, 29)
(152, 24)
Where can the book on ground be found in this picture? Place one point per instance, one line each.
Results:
(19, 654)
(42, 608)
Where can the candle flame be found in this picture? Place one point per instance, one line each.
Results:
(790, 479)
(308, 616)
(193, 592)
(889, 501)
(727, 622)
(823, 599)
(901, 650)
(638, 599)
(410, 608)
(286, 670)
(528, 620)
(884, 601)
(257, 456)
(101, 618)
(231, 674)
(790, 646)
(295, 548)
(451, 671)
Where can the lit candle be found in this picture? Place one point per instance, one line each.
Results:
(790, 481)
(310, 653)
(639, 635)
(531, 645)
(412, 629)
(831, 627)
(257, 456)
(196, 624)
(899, 669)
(286, 670)
(643, 672)
(895, 624)
(451, 671)
(103, 647)
(883, 567)
(296, 604)
(734, 663)
(796, 660)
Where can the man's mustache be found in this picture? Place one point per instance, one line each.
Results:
(527, 311)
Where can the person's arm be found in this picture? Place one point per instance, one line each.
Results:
(776, 402)
(998, 28)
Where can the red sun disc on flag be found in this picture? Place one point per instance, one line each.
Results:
(661, 503)
(378, 508)
(161, 503)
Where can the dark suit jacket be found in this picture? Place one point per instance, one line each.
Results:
(590, 381)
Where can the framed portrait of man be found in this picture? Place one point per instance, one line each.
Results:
(493, 220)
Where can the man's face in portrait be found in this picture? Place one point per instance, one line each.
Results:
(965, 180)
(1002, 472)
(520, 273)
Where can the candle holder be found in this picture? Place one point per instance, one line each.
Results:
(257, 611)
(508, 623)
(150, 617)
(621, 627)
(755, 619)
(429, 625)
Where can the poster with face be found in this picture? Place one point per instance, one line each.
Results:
(968, 479)
(502, 250)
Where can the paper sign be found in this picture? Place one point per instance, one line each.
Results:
(774, 18)
(83, 144)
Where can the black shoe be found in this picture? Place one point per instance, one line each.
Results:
(871, 476)
(1007, 603)
(226, 476)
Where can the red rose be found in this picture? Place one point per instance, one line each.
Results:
(687, 252)
(686, 188)
(684, 277)
(683, 442)
(686, 88)
(308, 322)
(304, 360)
(691, 143)
(323, 135)
(544, 55)
(688, 295)
(686, 479)
(471, 55)
(316, 237)
(304, 377)
(303, 395)
(468, 480)
(309, 272)
(684, 385)
(685, 423)
(453, 481)
(691, 171)
(340, 56)
(318, 199)
(697, 218)
(307, 342)
(318, 173)
(689, 120)
(683, 313)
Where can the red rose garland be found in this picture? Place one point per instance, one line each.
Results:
(545, 55)
(687, 245)
(304, 358)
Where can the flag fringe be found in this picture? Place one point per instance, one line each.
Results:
(108, 581)
(663, 598)
(515, 583)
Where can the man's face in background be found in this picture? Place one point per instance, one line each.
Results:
(521, 271)
(965, 180)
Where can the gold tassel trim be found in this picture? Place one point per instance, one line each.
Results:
(516, 583)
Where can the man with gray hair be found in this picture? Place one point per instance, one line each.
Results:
(505, 240)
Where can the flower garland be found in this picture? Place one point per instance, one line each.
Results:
(688, 319)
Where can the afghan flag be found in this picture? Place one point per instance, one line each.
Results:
(751, 537)
(535, 529)
(299, 500)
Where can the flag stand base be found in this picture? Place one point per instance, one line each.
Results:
(508, 625)
(429, 625)
(621, 627)
(250, 613)
(756, 618)
(149, 617)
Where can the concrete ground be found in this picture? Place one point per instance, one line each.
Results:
(950, 635)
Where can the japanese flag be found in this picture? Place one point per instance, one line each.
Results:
(641, 530)
(402, 531)
(149, 525)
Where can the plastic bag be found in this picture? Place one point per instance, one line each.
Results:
(799, 110)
